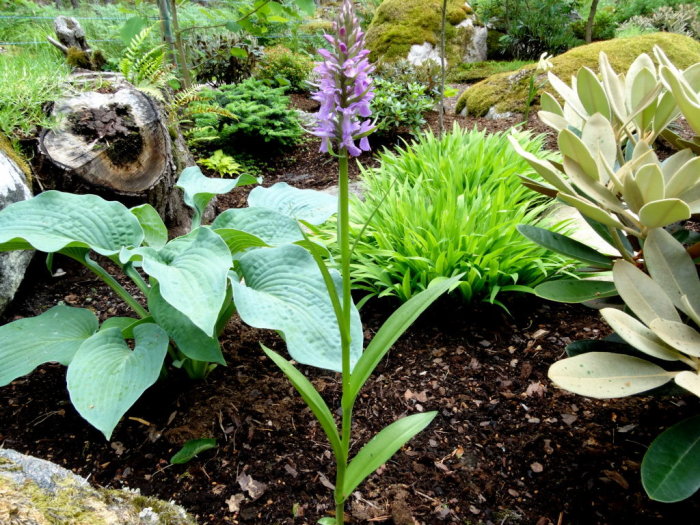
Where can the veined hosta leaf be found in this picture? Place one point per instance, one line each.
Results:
(284, 290)
(106, 377)
(638, 335)
(269, 226)
(199, 189)
(381, 447)
(54, 335)
(156, 234)
(188, 337)
(191, 271)
(670, 265)
(642, 294)
(661, 213)
(671, 466)
(605, 375)
(314, 207)
(54, 220)
(678, 335)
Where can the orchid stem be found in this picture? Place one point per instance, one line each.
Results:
(344, 242)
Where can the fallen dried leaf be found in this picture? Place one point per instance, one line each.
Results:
(568, 418)
(617, 478)
(535, 389)
(255, 489)
(234, 502)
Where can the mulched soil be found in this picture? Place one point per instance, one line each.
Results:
(506, 445)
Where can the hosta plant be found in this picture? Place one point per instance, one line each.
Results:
(248, 260)
(610, 172)
(662, 344)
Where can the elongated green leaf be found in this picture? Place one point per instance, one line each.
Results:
(650, 181)
(199, 189)
(105, 377)
(605, 375)
(54, 335)
(638, 335)
(672, 268)
(314, 207)
(118, 322)
(589, 209)
(391, 330)
(238, 241)
(661, 213)
(381, 447)
(284, 290)
(156, 234)
(671, 466)
(678, 335)
(191, 271)
(642, 294)
(271, 227)
(543, 167)
(54, 220)
(684, 178)
(566, 246)
(311, 397)
(307, 6)
(573, 147)
(689, 380)
(575, 290)
(188, 337)
(190, 449)
(591, 93)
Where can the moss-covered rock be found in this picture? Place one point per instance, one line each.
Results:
(399, 24)
(507, 92)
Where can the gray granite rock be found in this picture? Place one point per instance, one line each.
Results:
(37, 492)
(13, 188)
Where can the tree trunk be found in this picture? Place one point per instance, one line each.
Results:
(115, 142)
(589, 22)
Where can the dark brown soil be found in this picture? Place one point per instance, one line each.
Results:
(505, 447)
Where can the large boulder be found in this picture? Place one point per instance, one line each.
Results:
(402, 27)
(38, 492)
(507, 92)
(13, 188)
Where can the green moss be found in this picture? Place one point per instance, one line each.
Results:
(475, 71)
(508, 91)
(399, 24)
(12, 153)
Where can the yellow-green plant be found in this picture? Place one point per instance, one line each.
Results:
(661, 334)
(222, 164)
(610, 172)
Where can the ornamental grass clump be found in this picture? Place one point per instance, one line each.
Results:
(450, 206)
(345, 91)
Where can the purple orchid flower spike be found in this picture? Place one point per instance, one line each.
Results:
(345, 87)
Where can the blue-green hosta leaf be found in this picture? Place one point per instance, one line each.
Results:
(314, 207)
(190, 339)
(671, 466)
(153, 227)
(54, 220)
(284, 290)
(191, 271)
(271, 227)
(106, 377)
(199, 189)
(54, 335)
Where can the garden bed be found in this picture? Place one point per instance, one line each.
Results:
(506, 446)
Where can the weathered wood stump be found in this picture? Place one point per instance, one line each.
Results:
(114, 141)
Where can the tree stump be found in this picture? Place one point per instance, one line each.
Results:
(114, 141)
